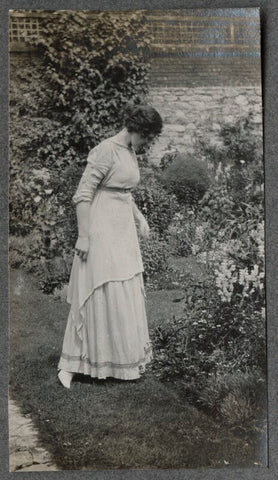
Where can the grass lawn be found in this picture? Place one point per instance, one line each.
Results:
(107, 424)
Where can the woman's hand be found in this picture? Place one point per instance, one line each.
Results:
(82, 247)
(144, 229)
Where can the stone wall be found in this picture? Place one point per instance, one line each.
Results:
(191, 113)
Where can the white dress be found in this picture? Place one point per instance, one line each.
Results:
(107, 332)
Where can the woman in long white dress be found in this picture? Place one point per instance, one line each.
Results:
(107, 331)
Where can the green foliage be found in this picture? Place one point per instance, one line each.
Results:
(158, 206)
(216, 208)
(25, 251)
(55, 273)
(46, 228)
(89, 70)
(239, 161)
(211, 324)
(212, 338)
(92, 69)
(233, 210)
(239, 175)
(240, 275)
(155, 252)
(187, 177)
(217, 348)
(187, 234)
(168, 158)
(236, 398)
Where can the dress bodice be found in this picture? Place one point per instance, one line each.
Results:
(111, 164)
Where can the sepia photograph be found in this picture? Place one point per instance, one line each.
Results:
(136, 240)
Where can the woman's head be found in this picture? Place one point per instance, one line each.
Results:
(143, 123)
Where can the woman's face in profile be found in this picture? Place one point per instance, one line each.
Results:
(139, 141)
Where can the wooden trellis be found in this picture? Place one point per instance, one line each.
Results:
(22, 28)
(194, 33)
(172, 33)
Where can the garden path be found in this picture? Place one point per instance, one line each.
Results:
(26, 454)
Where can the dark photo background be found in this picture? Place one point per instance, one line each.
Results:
(202, 193)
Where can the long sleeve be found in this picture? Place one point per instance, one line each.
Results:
(99, 163)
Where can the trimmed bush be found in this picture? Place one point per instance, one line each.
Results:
(187, 177)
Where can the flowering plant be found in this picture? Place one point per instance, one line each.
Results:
(240, 274)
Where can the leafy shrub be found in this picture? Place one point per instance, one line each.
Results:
(25, 251)
(55, 273)
(239, 247)
(47, 225)
(187, 177)
(215, 208)
(155, 252)
(233, 213)
(239, 151)
(211, 338)
(234, 397)
(217, 348)
(233, 207)
(168, 158)
(240, 275)
(92, 69)
(187, 235)
(88, 72)
(238, 171)
(245, 161)
(238, 410)
(155, 203)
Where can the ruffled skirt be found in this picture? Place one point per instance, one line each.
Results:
(114, 338)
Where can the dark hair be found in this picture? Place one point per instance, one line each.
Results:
(143, 119)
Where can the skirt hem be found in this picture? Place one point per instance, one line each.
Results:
(108, 336)
(107, 369)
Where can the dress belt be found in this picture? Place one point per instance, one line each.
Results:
(114, 189)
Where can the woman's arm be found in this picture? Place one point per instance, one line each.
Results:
(82, 213)
(82, 244)
(141, 222)
(99, 162)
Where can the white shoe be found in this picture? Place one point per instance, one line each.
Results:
(65, 378)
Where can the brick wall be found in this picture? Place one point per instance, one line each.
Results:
(198, 72)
